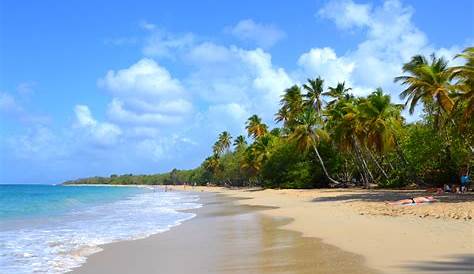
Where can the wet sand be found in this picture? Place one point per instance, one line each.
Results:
(427, 238)
(225, 238)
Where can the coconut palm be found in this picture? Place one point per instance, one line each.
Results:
(223, 143)
(465, 82)
(262, 147)
(255, 127)
(337, 93)
(349, 132)
(291, 103)
(240, 142)
(381, 119)
(211, 163)
(428, 81)
(308, 134)
(314, 90)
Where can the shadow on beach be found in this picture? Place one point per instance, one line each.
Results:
(388, 195)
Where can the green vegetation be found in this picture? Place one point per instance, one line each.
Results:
(329, 137)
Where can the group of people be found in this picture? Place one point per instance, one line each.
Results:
(452, 188)
(463, 186)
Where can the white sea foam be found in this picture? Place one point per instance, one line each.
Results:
(60, 243)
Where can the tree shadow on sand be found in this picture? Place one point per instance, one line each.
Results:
(386, 195)
(460, 264)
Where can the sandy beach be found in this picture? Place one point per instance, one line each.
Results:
(303, 231)
(428, 238)
(226, 237)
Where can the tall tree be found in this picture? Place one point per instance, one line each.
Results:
(240, 142)
(308, 133)
(291, 105)
(428, 81)
(314, 89)
(339, 92)
(223, 143)
(255, 127)
(465, 83)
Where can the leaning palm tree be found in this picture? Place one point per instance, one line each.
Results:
(349, 133)
(381, 120)
(314, 89)
(428, 81)
(255, 127)
(308, 134)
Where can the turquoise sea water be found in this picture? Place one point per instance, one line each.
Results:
(51, 229)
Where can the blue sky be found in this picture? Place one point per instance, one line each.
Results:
(99, 87)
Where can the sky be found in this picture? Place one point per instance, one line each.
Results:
(115, 87)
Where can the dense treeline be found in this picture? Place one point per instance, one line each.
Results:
(329, 137)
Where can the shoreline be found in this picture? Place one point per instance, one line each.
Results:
(225, 237)
(389, 243)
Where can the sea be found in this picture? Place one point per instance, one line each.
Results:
(52, 229)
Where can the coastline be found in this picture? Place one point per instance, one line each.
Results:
(396, 243)
(225, 237)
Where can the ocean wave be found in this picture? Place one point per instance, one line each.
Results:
(59, 243)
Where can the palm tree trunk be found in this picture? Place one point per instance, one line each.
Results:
(364, 163)
(323, 166)
(377, 163)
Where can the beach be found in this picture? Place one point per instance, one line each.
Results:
(225, 237)
(302, 231)
(428, 238)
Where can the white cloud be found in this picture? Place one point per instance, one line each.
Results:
(102, 133)
(391, 39)
(346, 14)
(325, 63)
(264, 35)
(236, 75)
(145, 93)
(84, 116)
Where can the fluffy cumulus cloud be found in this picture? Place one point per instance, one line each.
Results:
(101, 133)
(325, 63)
(263, 35)
(391, 39)
(145, 94)
(237, 76)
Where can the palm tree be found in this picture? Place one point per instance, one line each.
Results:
(465, 82)
(223, 143)
(349, 132)
(381, 119)
(428, 81)
(211, 163)
(255, 127)
(291, 105)
(314, 90)
(308, 134)
(240, 142)
(262, 147)
(337, 93)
